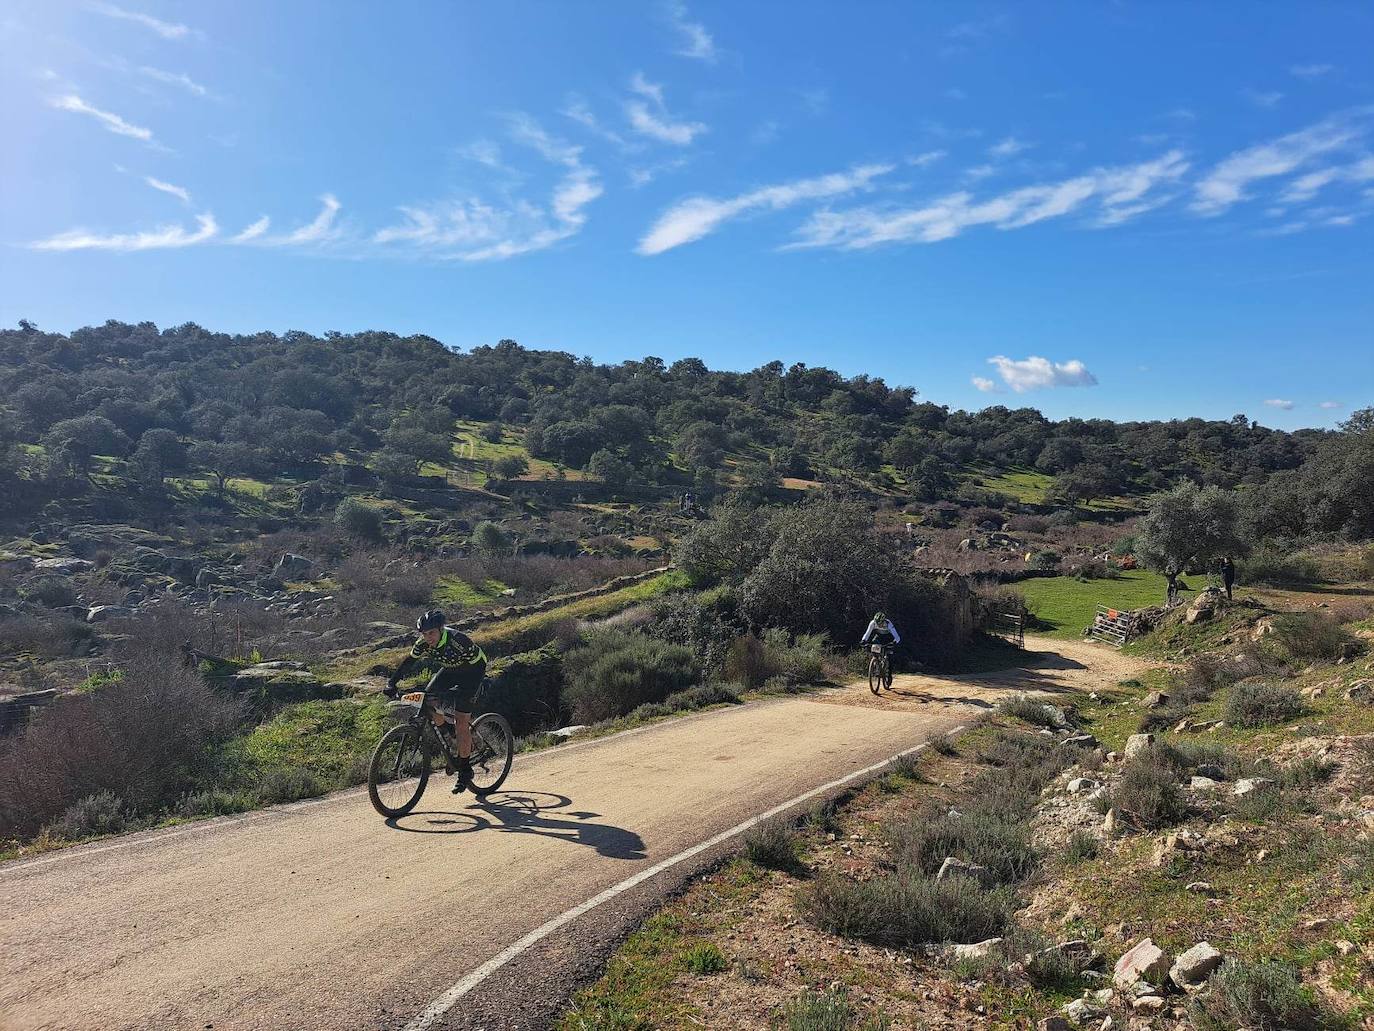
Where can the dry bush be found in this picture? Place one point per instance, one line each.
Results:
(905, 909)
(143, 738)
(54, 635)
(1261, 704)
(1312, 635)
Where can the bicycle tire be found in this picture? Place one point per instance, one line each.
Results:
(887, 672)
(494, 734)
(397, 738)
(875, 679)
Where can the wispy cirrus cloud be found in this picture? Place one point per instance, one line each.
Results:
(1120, 193)
(180, 192)
(252, 231)
(318, 230)
(1307, 186)
(696, 41)
(696, 217)
(165, 29)
(162, 237)
(1331, 405)
(1280, 403)
(1262, 98)
(1036, 373)
(1226, 184)
(1008, 147)
(1310, 71)
(71, 102)
(471, 228)
(179, 79)
(649, 115)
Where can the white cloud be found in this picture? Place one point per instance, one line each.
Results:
(955, 93)
(1035, 373)
(162, 237)
(1305, 187)
(1009, 147)
(176, 191)
(578, 110)
(1262, 98)
(979, 172)
(1225, 184)
(696, 41)
(1278, 402)
(986, 385)
(926, 159)
(322, 228)
(71, 102)
(473, 229)
(484, 152)
(175, 79)
(165, 29)
(1310, 71)
(649, 116)
(696, 217)
(1331, 405)
(1121, 193)
(253, 231)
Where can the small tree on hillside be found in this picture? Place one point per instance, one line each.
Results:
(74, 442)
(490, 540)
(159, 454)
(1185, 525)
(608, 467)
(359, 519)
(510, 467)
(223, 461)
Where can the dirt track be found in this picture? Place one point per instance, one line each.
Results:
(321, 915)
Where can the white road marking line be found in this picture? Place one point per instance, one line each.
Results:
(445, 1002)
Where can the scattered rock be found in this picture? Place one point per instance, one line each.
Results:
(1111, 823)
(1203, 784)
(1195, 966)
(291, 566)
(1145, 961)
(1200, 887)
(979, 950)
(1155, 700)
(1081, 784)
(1178, 841)
(952, 867)
(1148, 1004)
(63, 566)
(100, 613)
(1361, 691)
(1138, 743)
(13, 562)
(1082, 1012)
(1055, 1023)
(1253, 786)
(1081, 741)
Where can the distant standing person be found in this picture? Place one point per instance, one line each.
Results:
(1228, 575)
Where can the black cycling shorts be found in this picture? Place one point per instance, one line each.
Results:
(454, 688)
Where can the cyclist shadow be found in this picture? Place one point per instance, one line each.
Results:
(523, 812)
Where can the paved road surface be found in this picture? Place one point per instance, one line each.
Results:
(321, 915)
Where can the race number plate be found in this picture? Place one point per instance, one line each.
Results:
(876, 649)
(414, 696)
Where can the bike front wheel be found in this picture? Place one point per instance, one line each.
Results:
(493, 749)
(399, 771)
(875, 675)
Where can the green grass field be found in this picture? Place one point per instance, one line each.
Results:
(1065, 606)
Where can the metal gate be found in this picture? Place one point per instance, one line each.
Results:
(1112, 626)
(1009, 625)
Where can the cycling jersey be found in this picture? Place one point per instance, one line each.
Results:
(455, 648)
(885, 634)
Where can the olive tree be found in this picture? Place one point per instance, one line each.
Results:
(1187, 525)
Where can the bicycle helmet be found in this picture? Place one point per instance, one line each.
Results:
(431, 620)
(880, 618)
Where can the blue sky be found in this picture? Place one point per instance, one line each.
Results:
(1119, 210)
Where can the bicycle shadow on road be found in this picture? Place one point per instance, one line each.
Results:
(522, 812)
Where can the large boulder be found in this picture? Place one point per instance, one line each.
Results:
(1145, 961)
(1254, 786)
(63, 566)
(277, 683)
(1138, 744)
(1195, 966)
(100, 613)
(292, 567)
(13, 562)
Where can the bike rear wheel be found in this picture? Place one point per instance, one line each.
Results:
(399, 771)
(887, 672)
(493, 749)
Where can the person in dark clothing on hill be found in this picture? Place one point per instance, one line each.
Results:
(1228, 575)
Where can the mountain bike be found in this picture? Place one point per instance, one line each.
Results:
(879, 667)
(406, 754)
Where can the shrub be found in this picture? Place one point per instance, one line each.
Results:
(1258, 995)
(490, 540)
(1307, 772)
(1028, 524)
(1024, 708)
(409, 587)
(101, 813)
(1261, 704)
(1004, 599)
(214, 802)
(701, 696)
(145, 738)
(52, 591)
(288, 784)
(905, 909)
(772, 844)
(358, 519)
(1046, 560)
(1081, 847)
(53, 636)
(1189, 757)
(800, 657)
(750, 662)
(704, 958)
(1306, 636)
(510, 467)
(616, 671)
(944, 744)
(999, 842)
(1148, 792)
(1094, 569)
(907, 765)
(823, 817)
(1266, 566)
(818, 1011)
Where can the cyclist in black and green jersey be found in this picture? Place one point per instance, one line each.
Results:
(453, 687)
